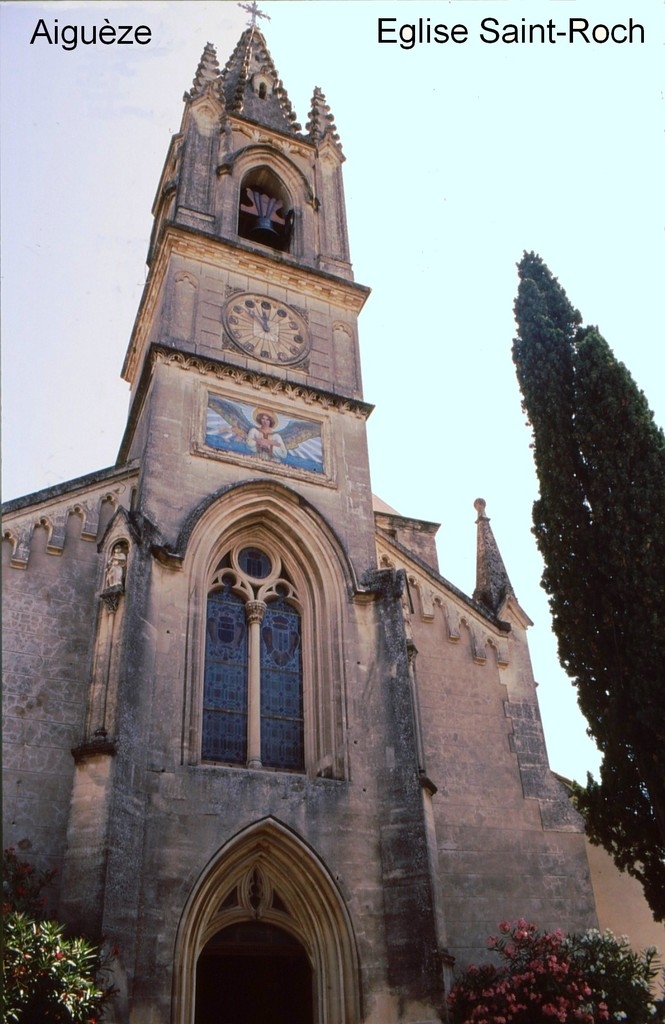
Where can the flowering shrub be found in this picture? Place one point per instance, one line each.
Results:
(544, 977)
(46, 977)
(22, 886)
(621, 977)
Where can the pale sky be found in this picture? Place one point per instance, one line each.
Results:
(459, 157)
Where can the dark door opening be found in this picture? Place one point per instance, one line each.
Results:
(253, 973)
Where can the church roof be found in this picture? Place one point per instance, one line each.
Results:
(252, 87)
(379, 505)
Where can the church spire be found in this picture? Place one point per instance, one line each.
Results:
(492, 583)
(252, 87)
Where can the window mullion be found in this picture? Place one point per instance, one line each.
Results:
(254, 611)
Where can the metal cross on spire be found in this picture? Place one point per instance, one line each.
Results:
(253, 10)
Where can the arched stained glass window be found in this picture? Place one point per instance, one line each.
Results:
(225, 683)
(282, 734)
(253, 679)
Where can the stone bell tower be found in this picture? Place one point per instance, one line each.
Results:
(251, 290)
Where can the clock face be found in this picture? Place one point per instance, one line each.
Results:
(266, 329)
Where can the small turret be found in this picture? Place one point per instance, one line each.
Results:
(207, 77)
(321, 124)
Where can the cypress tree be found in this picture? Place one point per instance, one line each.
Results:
(599, 523)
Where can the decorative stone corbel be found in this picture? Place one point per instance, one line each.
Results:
(478, 649)
(56, 541)
(453, 623)
(21, 548)
(99, 744)
(111, 598)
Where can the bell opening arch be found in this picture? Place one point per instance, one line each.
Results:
(263, 897)
(265, 213)
(263, 170)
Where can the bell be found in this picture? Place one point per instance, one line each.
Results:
(263, 231)
(264, 208)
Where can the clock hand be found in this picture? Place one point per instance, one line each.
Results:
(262, 319)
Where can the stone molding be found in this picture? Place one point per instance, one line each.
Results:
(281, 269)
(262, 381)
(52, 509)
(99, 746)
(269, 149)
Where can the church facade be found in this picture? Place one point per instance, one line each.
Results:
(285, 768)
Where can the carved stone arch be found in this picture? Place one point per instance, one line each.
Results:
(341, 329)
(476, 642)
(75, 521)
(20, 537)
(425, 597)
(453, 622)
(295, 181)
(264, 82)
(500, 648)
(9, 545)
(273, 519)
(207, 113)
(299, 896)
(108, 505)
(118, 531)
(44, 523)
(295, 192)
(39, 535)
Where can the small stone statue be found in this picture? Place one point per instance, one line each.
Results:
(114, 575)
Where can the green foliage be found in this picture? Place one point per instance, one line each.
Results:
(47, 977)
(541, 977)
(600, 525)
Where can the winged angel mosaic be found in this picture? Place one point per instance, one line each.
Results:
(264, 434)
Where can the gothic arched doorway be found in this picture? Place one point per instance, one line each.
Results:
(253, 973)
(266, 906)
